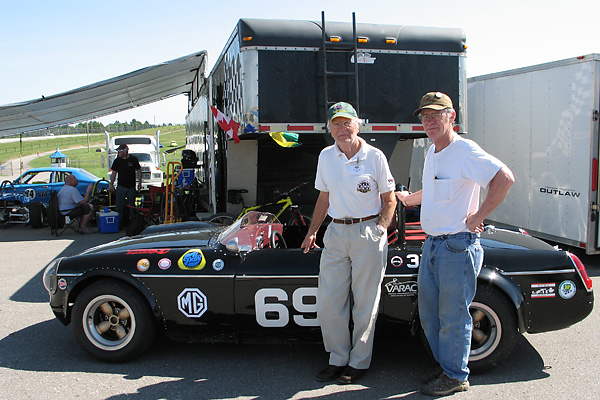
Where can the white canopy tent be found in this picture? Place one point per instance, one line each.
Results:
(124, 92)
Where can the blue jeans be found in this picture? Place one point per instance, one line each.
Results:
(447, 283)
(124, 196)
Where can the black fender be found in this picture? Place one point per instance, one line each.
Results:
(93, 275)
(494, 277)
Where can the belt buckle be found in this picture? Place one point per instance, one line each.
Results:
(348, 221)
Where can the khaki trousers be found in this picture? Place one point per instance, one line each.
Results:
(351, 270)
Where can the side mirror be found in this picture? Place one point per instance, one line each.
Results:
(233, 245)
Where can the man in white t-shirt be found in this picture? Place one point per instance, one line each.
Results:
(73, 204)
(356, 189)
(451, 216)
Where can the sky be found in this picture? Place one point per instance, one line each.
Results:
(50, 47)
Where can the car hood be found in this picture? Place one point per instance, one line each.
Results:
(170, 239)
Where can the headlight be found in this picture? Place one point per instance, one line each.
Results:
(50, 275)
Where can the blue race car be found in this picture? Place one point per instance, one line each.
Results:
(25, 199)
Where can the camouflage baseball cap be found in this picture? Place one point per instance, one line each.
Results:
(434, 101)
(341, 109)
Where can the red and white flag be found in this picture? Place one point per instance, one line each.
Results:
(227, 124)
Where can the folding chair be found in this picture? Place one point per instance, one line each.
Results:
(148, 212)
(58, 222)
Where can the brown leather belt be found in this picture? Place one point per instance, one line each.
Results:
(350, 221)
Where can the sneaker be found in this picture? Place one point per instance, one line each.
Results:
(444, 386)
(432, 374)
(330, 373)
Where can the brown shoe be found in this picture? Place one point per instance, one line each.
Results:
(329, 373)
(351, 375)
(444, 385)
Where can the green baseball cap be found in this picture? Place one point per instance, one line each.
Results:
(341, 109)
(434, 101)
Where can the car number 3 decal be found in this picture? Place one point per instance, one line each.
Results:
(274, 315)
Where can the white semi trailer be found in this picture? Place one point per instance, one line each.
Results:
(542, 121)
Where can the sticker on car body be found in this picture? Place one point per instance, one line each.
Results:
(543, 290)
(192, 259)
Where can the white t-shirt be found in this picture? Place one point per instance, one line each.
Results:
(354, 186)
(451, 183)
(68, 197)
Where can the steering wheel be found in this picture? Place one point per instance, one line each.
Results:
(276, 240)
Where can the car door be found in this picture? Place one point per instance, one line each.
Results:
(276, 291)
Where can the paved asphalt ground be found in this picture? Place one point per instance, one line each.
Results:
(40, 359)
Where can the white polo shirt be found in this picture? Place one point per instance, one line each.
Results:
(451, 184)
(354, 186)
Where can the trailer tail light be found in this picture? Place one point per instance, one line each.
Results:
(587, 281)
(335, 39)
(390, 40)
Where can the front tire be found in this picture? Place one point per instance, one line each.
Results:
(112, 321)
(494, 329)
(36, 215)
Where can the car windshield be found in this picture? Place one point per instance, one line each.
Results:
(252, 231)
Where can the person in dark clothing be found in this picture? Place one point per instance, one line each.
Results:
(128, 169)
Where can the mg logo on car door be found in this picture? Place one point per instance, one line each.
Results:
(192, 302)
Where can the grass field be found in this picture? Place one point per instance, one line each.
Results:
(95, 161)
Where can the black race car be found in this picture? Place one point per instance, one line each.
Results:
(198, 281)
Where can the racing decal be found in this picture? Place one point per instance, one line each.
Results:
(164, 263)
(567, 289)
(412, 260)
(192, 302)
(274, 314)
(396, 261)
(143, 264)
(192, 260)
(364, 186)
(395, 288)
(147, 251)
(218, 264)
(62, 283)
(543, 290)
(30, 193)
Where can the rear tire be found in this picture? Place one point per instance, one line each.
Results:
(112, 321)
(494, 329)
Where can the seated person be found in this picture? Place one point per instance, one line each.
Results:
(73, 204)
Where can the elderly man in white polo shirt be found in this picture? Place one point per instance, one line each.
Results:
(357, 191)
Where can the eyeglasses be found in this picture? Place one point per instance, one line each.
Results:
(344, 124)
(432, 117)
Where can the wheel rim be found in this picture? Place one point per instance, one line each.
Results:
(486, 333)
(108, 322)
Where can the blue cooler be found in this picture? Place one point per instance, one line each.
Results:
(108, 222)
(186, 177)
